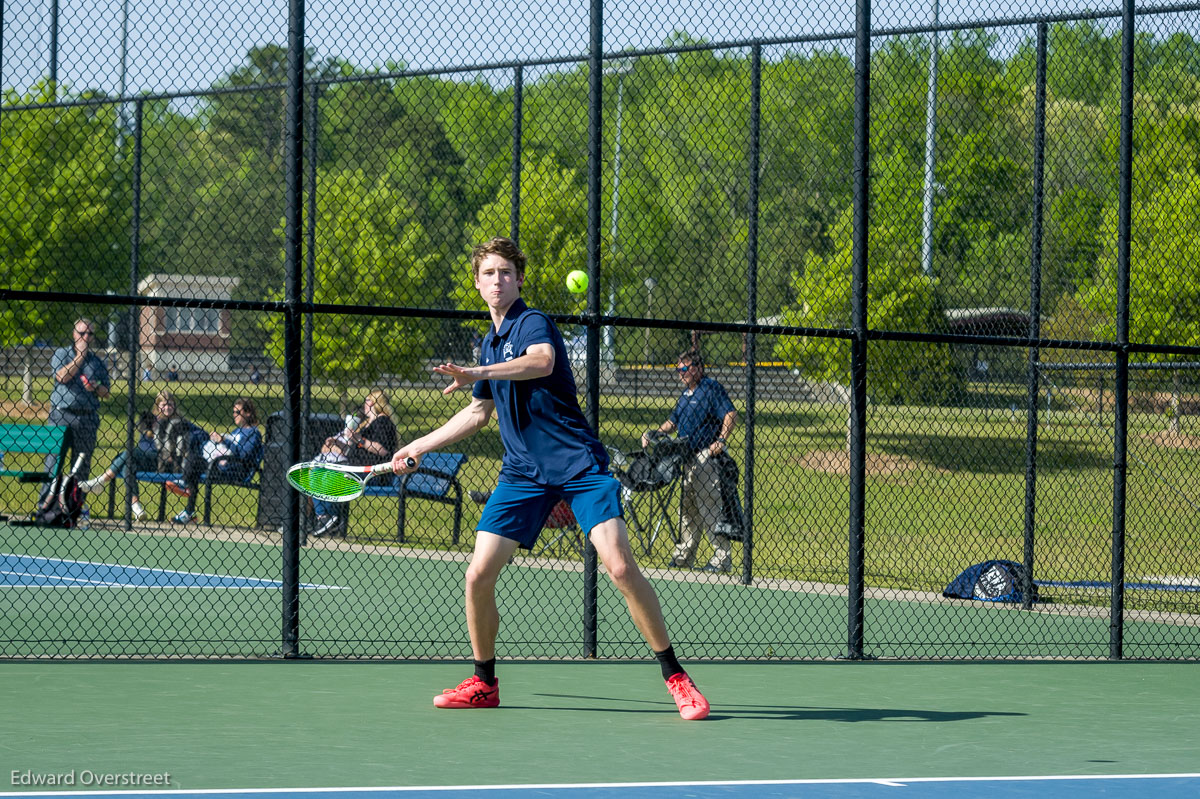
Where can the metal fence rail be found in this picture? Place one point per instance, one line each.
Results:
(939, 259)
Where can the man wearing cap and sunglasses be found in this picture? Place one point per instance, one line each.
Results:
(80, 382)
(704, 417)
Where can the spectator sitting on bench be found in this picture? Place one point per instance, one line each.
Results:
(232, 457)
(364, 442)
(162, 445)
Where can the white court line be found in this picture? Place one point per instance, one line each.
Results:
(58, 577)
(152, 570)
(889, 781)
(55, 580)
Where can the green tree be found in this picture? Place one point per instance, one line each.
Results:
(553, 236)
(63, 218)
(179, 160)
(371, 250)
(253, 117)
(806, 161)
(232, 230)
(1079, 181)
(478, 122)
(1164, 306)
(393, 128)
(899, 297)
(1083, 63)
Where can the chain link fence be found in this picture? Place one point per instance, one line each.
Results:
(940, 256)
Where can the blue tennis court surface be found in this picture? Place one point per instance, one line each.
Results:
(1160, 786)
(33, 571)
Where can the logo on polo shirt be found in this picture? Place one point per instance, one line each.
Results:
(508, 351)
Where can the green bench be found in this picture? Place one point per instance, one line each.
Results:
(33, 439)
(19, 441)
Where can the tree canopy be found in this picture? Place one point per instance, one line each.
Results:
(409, 171)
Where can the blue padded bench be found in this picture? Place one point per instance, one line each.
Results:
(436, 480)
(245, 482)
(162, 478)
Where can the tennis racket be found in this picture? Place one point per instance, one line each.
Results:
(336, 482)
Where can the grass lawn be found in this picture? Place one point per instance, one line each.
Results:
(945, 486)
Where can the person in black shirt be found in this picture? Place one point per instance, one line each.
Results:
(366, 441)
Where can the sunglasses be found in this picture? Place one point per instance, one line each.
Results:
(90, 333)
(683, 368)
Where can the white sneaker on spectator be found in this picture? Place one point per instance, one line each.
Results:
(138, 511)
(93, 486)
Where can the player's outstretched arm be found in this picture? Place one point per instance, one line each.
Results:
(461, 376)
(466, 422)
(538, 361)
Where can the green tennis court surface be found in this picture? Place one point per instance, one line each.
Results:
(385, 601)
(305, 724)
(1174, 786)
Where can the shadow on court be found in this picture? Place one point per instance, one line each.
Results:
(727, 712)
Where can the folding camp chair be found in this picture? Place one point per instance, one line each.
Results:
(648, 480)
(567, 538)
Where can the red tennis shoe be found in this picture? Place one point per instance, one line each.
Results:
(178, 489)
(471, 692)
(691, 703)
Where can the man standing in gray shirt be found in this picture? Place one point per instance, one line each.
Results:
(80, 382)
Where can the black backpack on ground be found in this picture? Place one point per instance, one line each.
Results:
(733, 519)
(60, 504)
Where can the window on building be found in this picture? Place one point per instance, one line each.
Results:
(193, 320)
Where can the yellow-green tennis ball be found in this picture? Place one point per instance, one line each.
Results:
(577, 281)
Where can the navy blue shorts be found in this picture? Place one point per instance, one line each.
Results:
(518, 508)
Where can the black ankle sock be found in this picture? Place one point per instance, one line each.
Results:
(486, 670)
(669, 663)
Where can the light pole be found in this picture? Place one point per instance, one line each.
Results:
(124, 61)
(650, 284)
(930, 149)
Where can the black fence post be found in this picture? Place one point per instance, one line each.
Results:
(752, 310)
(135, 250)
(595, 142)
(54, 48)
(1116, 626)
(518, 111)
(293, 166)
(858, 345)
(1035, 313)
(310, 277)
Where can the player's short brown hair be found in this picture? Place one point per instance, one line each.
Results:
(693, 358)
(505, 248)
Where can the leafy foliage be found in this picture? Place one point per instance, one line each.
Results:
(416, 168)
(553, 236)
(371, 250)
(63, 210)
(900, 297)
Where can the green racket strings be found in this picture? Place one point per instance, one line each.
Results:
(329, 482)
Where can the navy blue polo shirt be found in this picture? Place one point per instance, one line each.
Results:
(698, 415)
(546, 437)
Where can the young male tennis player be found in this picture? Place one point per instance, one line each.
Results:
(550, 453)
